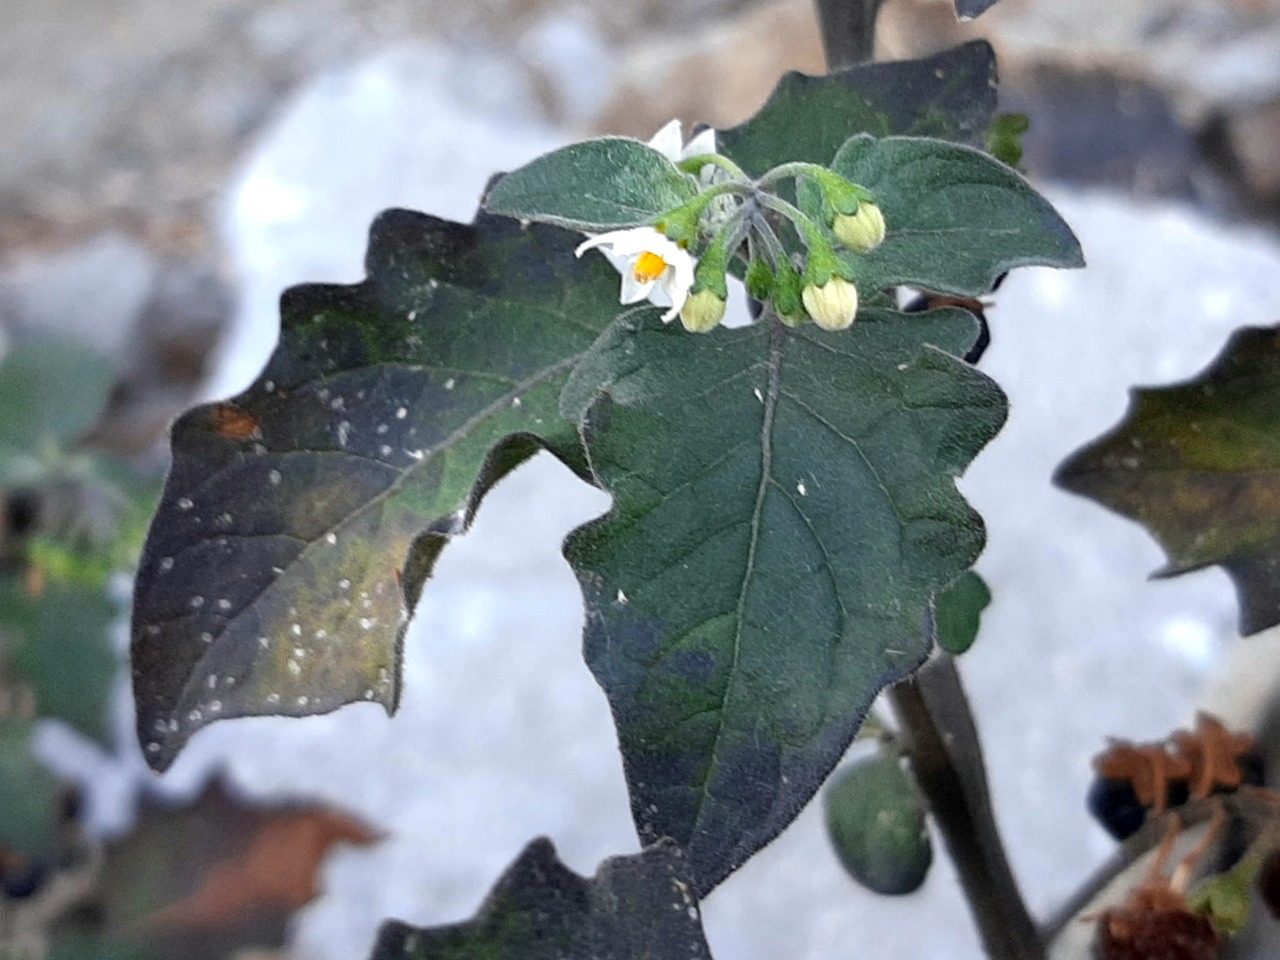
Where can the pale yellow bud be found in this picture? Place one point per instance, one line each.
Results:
(832, 305)
(863, 231)
(702, 312)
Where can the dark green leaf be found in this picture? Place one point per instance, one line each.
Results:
(29, 794)
(51, 391)
(950, 95)
(300, 521)
(635, 907)
(955, 218)
(58, 644)
(876, 821)
(957, 612)
(1198, 465)
(595, 185)
(784, 511)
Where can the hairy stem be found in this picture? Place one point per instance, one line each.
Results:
(848, 30)
(937, 728)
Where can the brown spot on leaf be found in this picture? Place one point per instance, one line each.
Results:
(235, 423)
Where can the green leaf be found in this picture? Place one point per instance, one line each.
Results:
(637, 906)
(29, 794)
(300, 521)
(41, 413)
(57, 642)
(950, 95)
(957, 612)
(212, 878)
(1198, 465)
(1004, 139)
(784, 511)
(596, 185)
(876, 822)
(955, 218)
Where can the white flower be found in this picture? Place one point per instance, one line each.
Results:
(669, 141)
(649, 263)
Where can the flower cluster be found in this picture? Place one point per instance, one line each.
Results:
(733, 216)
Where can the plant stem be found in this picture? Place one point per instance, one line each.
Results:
(848, 31)
(935, 723)
(937, 728)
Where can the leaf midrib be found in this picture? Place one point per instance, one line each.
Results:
(777, 340)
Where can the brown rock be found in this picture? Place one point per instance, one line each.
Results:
(1255, 140)
(718, 76)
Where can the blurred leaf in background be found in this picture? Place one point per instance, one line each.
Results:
(205, 880)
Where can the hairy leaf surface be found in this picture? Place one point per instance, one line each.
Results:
(955, 218)
(636, 906)
(950, 95)
(1198, 465)
(596, 185)
(784, 511)
(300, 519)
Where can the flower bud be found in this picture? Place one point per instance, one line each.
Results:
(832, 305)
(703, 311)
(861, 232)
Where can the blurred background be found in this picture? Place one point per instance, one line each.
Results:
(170, 168)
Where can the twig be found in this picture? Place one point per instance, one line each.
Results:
(848, 30)
(937, 729)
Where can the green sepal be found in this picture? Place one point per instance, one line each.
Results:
(759, 279)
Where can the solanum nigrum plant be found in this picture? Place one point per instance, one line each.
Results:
(785, 538)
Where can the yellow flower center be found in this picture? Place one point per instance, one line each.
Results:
(648, 267)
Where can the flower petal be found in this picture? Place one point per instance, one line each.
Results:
(676, 281)
(703, 142)
(599, 240)
(633, 290)
(668, 141)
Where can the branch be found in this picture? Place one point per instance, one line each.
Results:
(848, 30)
(937, 729)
